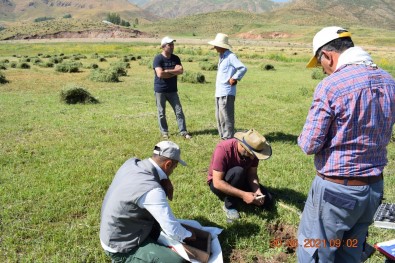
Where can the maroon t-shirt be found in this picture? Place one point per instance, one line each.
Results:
(226, 156)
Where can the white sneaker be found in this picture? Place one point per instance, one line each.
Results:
(231, 214)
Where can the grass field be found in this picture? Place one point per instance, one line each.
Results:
(57, 160)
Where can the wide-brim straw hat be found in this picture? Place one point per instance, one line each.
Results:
(254, 143)
(221, 40)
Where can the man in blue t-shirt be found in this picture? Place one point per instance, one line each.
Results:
(167, 67)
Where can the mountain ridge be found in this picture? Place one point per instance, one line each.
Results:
(17, 17)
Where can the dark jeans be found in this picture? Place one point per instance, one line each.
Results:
(174, 100)
(237, 178)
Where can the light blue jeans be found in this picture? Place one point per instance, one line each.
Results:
(225, 115)
(174, 100)
(335, 221)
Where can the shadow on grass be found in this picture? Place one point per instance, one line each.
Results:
(281, 137)
(205, 132)
(277, 136)
(289, 197)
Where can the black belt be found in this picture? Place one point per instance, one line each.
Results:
(352, 181)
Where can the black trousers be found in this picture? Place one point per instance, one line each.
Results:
(237, 178)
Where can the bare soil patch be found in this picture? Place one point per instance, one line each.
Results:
(284, 235)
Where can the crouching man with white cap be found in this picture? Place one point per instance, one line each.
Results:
(135, 209)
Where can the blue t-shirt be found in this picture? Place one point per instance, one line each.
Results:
(170, 84)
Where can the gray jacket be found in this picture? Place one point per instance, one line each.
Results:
(124, 225)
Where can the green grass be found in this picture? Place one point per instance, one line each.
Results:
(57, 160)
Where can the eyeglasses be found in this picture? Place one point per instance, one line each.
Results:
(170, 44)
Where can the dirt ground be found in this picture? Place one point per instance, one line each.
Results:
(282, 235)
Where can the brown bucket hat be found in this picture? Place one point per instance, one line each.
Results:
(254, 143)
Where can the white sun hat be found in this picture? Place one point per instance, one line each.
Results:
(221, 40)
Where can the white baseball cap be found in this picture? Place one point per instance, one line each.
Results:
(170, 150)
(324, 36)
(166, 40)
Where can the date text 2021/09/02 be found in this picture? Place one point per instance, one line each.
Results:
(314, 243)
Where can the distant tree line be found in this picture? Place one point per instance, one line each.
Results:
(116, 19)
(44, 18)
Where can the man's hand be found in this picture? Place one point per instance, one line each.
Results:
(249, 197)
(232, 81)
(259, 199)
(191, 238)
(168, 188)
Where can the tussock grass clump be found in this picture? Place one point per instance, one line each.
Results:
(267, 67)
(193, 77)
(36, 61)
(56, 60)
(73, 94)
(3, 79)
(317, 74)
(92, 66)
(205, 65)
(68, 67)
(102, 59)
(4, 61)
(120, 68)
(79, 56)
(3, 66)
(13, 64)
(204, 59)
(23, 65)
(125, 59)
(147, 62)
(25, 59)
(104, 75)
(45, 64)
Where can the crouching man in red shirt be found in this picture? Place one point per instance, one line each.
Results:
(232, 174)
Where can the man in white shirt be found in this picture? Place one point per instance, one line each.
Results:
(135, 209)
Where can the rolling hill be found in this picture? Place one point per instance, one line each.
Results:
(366, 13)
(28, 10)
(372, 13)
(259, 18)
(182, 8)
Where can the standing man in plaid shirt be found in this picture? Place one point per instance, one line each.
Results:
(348, 127)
